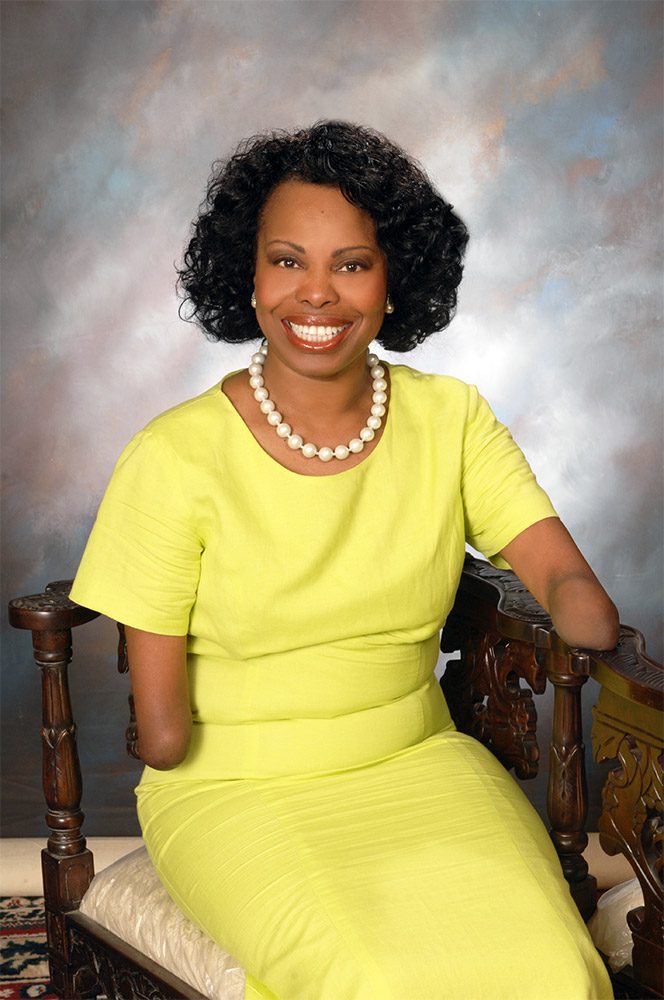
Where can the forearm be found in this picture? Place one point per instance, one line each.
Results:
(158, 669)
(547, 560)
(582, 612)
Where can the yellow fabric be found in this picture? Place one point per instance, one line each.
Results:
(313, 604)
(427, 876)
(329, 827)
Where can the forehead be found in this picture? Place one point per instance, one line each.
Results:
(302, 213)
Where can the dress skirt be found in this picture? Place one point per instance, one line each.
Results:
(426, 875)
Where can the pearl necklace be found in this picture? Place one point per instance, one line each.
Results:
(296, 441)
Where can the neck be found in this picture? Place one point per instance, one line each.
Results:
(319, 398)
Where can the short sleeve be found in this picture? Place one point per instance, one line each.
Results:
(501, 497)
(142, 561)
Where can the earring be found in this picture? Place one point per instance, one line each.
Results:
(253, 300)
(389, 306)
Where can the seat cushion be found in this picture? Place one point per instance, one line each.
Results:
(608, 924)
(128, 899)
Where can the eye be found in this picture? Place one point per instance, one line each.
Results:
(352, 266)
(288, 262)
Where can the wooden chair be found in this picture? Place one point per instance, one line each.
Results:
(504, 639)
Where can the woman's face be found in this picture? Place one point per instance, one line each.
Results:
(320, 279)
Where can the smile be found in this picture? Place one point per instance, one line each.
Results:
(316, 336)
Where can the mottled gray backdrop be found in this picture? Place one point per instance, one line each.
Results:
(541, 122)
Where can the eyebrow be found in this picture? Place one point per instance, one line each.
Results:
(335, 253)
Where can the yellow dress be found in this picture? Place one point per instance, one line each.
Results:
(329, 827)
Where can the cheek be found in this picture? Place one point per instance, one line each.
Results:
(374, 293)
(272, 284)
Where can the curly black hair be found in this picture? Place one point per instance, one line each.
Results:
(422, 238)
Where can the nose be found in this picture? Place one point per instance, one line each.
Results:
(316, 288)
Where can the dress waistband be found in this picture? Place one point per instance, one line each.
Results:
(286, 747)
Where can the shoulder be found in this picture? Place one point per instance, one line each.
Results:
(187, 417)
(182, 443)
(183, 429)
(434, 396)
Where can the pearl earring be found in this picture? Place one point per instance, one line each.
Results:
(389, 306)
(253, 300)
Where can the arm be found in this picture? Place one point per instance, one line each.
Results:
(548, 562)
(158, 667)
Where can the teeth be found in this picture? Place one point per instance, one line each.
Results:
(316, 333)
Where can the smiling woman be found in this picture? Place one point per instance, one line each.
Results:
(421, 237)
(321, 295)
(283, 551)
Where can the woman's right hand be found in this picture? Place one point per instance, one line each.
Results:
(158, 669)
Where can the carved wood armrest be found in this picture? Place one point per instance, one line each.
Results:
(628, 730)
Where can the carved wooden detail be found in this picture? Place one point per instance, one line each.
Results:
(61, 770)
(99, 972)
(51, 609)
(104, 964)
(487, 701)
(567, 790)
(131, 732)
(48, 601)
(123, 659)
(632, 820)
(631, 662)
(514, 601)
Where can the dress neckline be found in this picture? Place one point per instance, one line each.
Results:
(343, 473)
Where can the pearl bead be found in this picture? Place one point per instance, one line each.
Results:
(295, 441)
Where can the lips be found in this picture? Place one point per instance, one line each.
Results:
(316, 333)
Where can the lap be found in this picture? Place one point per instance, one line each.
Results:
(426, 875)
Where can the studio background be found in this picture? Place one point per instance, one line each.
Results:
(540, 122)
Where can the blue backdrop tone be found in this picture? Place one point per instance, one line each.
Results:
(541, 122)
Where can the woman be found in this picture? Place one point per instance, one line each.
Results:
(284, 550)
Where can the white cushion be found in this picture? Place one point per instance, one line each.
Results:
(128, 899)
(608, 924)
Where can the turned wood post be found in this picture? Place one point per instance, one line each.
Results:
(567, 793)
(61, 773)
(67, 865)
(66, 862)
